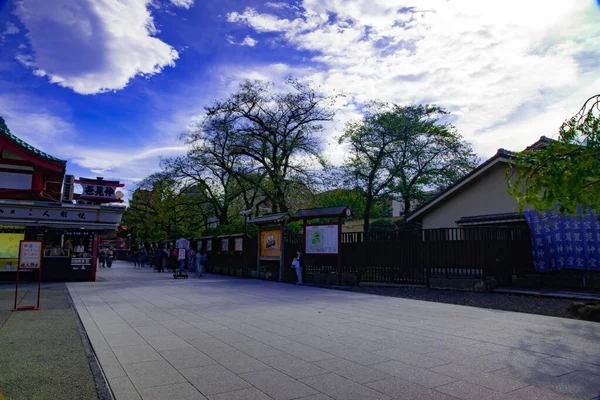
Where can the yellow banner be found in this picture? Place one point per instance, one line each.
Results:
(270, 243)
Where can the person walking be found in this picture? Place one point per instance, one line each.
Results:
(297, 265)
(202, 259)
(136, 257)
(102, 258)
(143, 255)
(110, 254)
(191, 257)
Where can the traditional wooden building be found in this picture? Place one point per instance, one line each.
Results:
(33, 207)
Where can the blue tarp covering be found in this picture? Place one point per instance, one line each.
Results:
(564, 242)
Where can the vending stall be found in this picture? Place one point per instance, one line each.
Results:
(37, 203)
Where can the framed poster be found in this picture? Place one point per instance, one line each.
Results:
(30, 254)
(321, 239)
(239, 243)
(270, 243)
(209, 245)
(224, 244)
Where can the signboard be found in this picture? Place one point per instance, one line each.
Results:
(209, 245)
(239, 242)
(182, 244)
(321, 239)
(98, 190)
(42, 213)
(181, 254)
(270, 243)
(30, 254)
(224, 244)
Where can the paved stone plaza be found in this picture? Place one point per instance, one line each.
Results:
(226, 338)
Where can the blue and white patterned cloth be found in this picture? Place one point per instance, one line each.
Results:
(564, 241)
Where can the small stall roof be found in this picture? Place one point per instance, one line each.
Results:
(269, 219)
(326, 212)
(205, 237)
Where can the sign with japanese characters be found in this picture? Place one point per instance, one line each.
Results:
(98, 190)
(63, 213)
(30, 254)
(224, 244)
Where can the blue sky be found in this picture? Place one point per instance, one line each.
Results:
(111, 85)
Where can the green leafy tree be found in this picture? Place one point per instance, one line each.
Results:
(566, 172)
(402, 151)
(160, 210)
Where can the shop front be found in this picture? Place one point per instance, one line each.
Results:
(37, 203)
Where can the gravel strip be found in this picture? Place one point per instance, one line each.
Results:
(553, 307)
(42, 353)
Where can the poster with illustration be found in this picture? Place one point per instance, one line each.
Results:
(270, 243)
(322, 239)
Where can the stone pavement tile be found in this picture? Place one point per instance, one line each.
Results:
(342, 389)
(462, 359)
(414, 374)
(238, 362)
(207, 326)
(244, 394)
(319, 396)
(535, 393)
(167, 342)
(469, 391)
(573, 364)
(212, 379)
(351, 370)
(257, 349)
(406, 357)
(403, 390)
(356, 355)
(138, 321)
(211, 346)
(113, 371)
(576, 384)
(186, 358)
(153, 330)
(277, 385)
(292, 366)
(304, 352)
(136, 354)
(362, 344)
(111, 329)
(174, 323)
(269, 338)
(280, 330)
(190, 333)
(123, 389)
(124, 339)
(152, 373)
(489, 380)
(179, 391)
(313, 340)
(229, 336)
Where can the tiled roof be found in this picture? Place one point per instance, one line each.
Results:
(26, 146)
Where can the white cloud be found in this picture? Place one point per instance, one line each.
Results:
(248, 41)
(93, 46)
(10, 29)
(183, 3)
(497, 66)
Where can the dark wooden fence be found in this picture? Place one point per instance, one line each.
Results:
(401, 257)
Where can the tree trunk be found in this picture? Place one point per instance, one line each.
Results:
(407, 207)
(367, 216)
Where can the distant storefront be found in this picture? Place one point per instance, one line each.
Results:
(36, 203)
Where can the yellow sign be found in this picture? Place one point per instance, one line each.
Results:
(9, 244)
(270, 243)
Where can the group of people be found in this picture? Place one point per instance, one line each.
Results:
(106, 257)
(160, 259)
